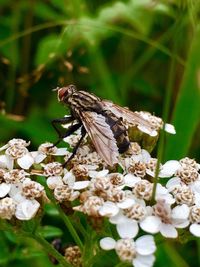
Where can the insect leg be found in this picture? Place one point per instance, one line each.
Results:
(83, 133)
(64, 120)
(69, 131)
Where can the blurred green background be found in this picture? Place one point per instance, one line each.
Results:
(143, 54)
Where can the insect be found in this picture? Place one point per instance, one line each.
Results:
(102, 120)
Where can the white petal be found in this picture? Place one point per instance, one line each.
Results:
(27, 209)
(180, 212)
(6, 162)
(145, 130)
(4, 147)
(168, 198)
(161, 189)
(127, 229)
(98, 174)
(169, 168)
(61, 151)
(26, 161)
(197, 198)
(130, 180)
(195, 229)
(180, 223)
(168, 230)
(127, 203)
(38, 156)
(69, 179)
(173, 182)
(4, 189)
(145, 245)
(107, 243)
(119, 218)
(81, 185)
(195, 186)
(54, 181)
(145, 156)
(144, 261)
(109, 209)
(169, 128)
(16, 193)
(151, 224)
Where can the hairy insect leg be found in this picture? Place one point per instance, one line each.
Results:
(83, 133)
(60, 121)
(69, 131)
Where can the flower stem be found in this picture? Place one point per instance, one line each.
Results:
(166, 110)
(66, 220)
(50, 250)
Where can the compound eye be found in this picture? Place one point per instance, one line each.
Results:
(62, 93)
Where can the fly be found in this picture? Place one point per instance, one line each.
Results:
(102, 120)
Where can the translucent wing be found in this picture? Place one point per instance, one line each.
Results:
(130, 117)
(101, 135)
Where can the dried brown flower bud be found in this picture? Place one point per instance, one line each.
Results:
(143, 190)
(47, 148)
(73, 255)
(163, 211)
(7, 208)
(32, 189)
(65, 193)
(116, 178)
(80, 172)
(125, 249)
(92, 206)
(187, 162)
(2, 173)
(136, 212)
(53, 169)
(15, 176)
(187, 174)
(138, 169)
(16, 151)
(183, 195)
(195, 214)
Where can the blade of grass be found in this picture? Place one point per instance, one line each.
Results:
(186, 115)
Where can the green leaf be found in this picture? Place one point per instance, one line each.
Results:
(47, 49)
(49, 231)
(4, 252)
(186, 115)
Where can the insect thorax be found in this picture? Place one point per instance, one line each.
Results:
(83, 101)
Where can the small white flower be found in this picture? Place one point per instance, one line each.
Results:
(195, 220)
(165, 220)
(54, 181)
(4, 189)
(27, 209)
(46, 149)
(169, 128)
(16, 151)
(7, 208)
(139, 252)
(169, 168)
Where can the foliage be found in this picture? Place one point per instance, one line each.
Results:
(140, 53)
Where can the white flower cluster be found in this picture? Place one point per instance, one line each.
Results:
(124, 197)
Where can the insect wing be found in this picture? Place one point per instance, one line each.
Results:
(101, 135)
(129, 116)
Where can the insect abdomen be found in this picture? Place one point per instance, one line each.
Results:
(119, 130)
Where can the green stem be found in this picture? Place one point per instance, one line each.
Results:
(176, 259)
(166, 108)
(66, 220)
(5, 226)
(122, 264)
(101, 26)
(50, 250)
